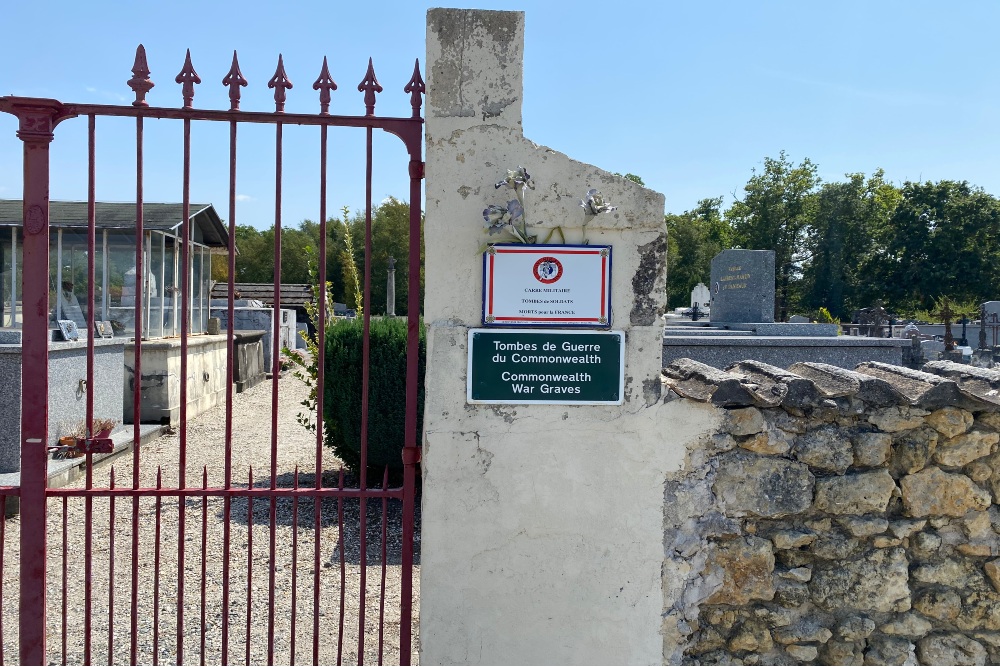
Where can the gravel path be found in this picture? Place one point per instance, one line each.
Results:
(271, 638)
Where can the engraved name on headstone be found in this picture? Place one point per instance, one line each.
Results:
(743, 286)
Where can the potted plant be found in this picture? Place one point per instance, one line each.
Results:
(70, 445)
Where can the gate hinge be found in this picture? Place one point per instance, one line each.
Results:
(416, 169)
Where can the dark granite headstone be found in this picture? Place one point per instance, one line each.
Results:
(743, 286)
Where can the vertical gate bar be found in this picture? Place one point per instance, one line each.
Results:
(385, 532)
(136, 394)
(65, 560)
(365, 359)
(249, 562)
(185, 326)
(411, 451)
(3, 542)
(320, 381)
(295, 562)
(111, 570)
(343, 568)
(230, 362)
(156, 568)
(275, 369)
(36, 133)
(91, 276)
(204, 557)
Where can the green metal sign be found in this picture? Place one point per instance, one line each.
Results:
(546, 366)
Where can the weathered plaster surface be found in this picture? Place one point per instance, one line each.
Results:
(542, 536)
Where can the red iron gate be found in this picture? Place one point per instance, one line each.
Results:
(121, 611)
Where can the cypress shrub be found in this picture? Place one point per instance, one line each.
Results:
(387, 393)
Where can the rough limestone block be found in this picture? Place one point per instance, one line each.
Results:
(951, 572)
(792, 539)
(950, 649)
(871, 448)
(933, 492)
(878, 582)
(965, 448)
(857, 493)
(913, 451)
(771, 487)
(825, 449)
(886, 650)
(746, 565)
(992, 569)
(803, 653)
(769, 441)
(897, 418)
(942, 604)
(803, 631)
(907, 625)
(950, 421)
(752, 636)
(854, 628)
(743, 421)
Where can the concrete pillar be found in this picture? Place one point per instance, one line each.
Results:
(542, 525)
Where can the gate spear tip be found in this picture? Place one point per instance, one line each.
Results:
(370, 85)
(280, 82)
(140, 82)
(234, 79)
(416, 88)
(187, 77)
(324, 84)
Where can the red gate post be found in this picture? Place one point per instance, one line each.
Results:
(37, 118)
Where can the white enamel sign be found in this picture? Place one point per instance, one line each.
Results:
(547, 285)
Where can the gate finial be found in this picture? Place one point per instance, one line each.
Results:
(188, 77)
(140, 82)
(324, 84)
(234, 79)
(415, 88)
(370, 85)
(280, 82)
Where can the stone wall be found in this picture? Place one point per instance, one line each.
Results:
(836, 517)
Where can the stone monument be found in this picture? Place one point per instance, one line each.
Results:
(701, 296)
(743, 286)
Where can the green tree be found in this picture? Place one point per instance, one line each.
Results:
(390, 237)
(774, 213)
(942, 238)
(693, 239)
(838, 242)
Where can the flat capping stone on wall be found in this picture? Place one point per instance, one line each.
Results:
(723, 351)
(810, 384)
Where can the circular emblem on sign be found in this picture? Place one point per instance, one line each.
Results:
(548, 270)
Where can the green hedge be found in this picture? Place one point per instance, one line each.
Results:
(387, 392)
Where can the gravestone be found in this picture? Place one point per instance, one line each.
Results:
(991, 312)
(798, 319)
(700, 296)
(743, 286)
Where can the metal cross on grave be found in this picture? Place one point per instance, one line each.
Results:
(946, 313)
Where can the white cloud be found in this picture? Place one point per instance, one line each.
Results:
(243, 198)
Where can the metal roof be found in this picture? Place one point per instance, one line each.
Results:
(121, 215)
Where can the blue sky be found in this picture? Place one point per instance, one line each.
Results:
(690, 96)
